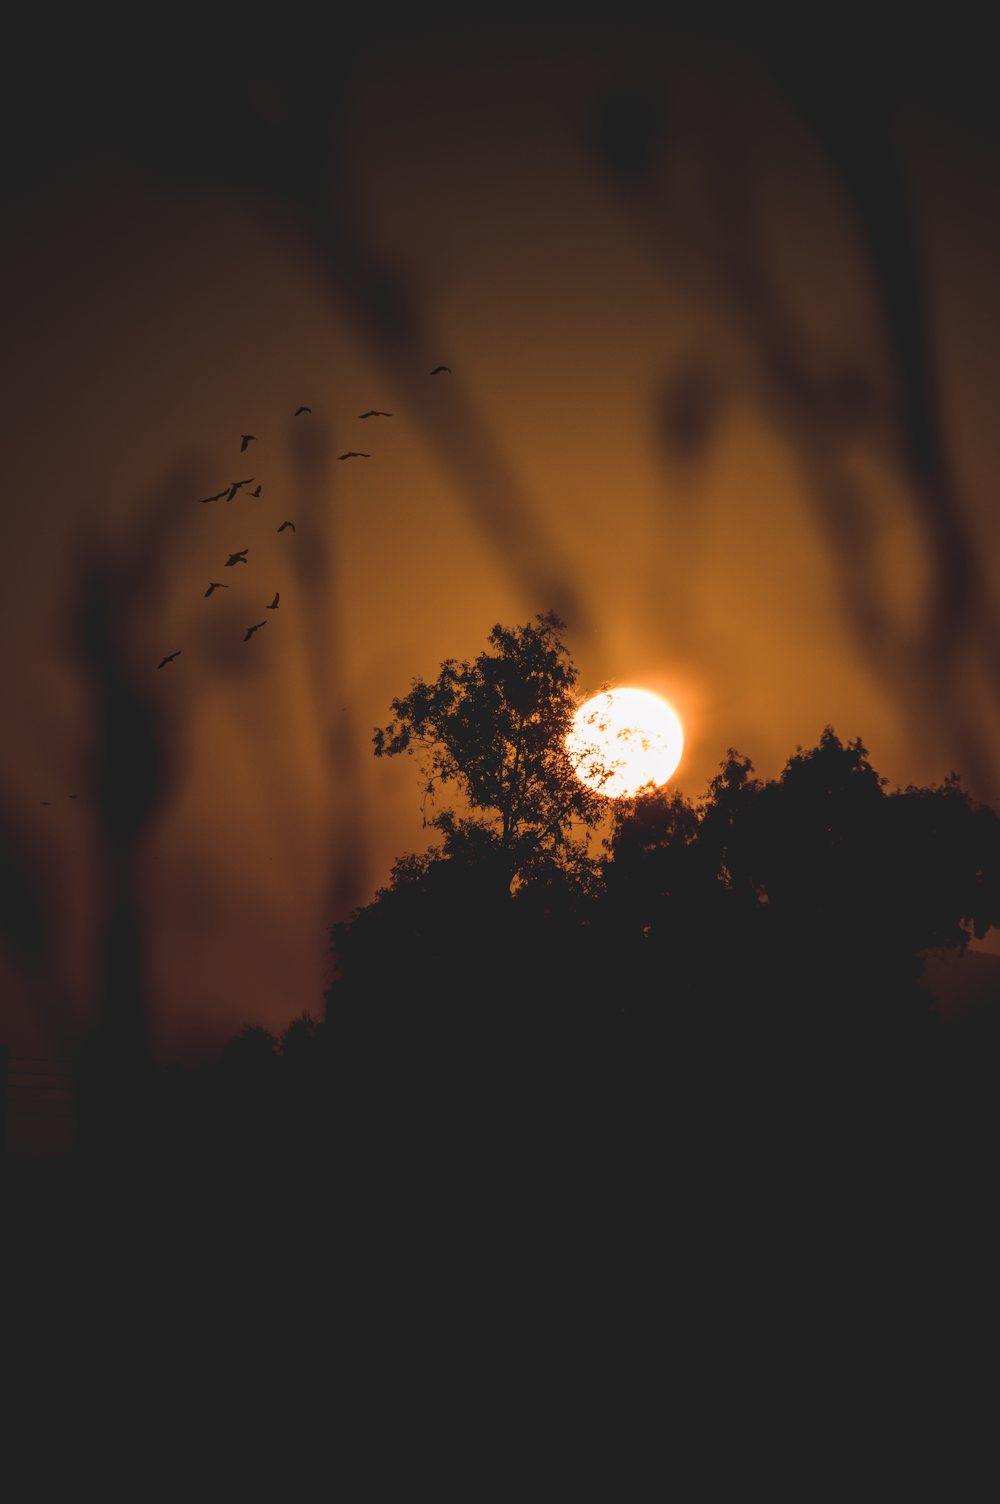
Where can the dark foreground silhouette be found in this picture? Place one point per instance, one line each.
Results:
(703, 1081)
(564, 1108)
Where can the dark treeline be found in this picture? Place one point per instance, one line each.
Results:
(717, 1005)
(752, 958)
(685, 1073)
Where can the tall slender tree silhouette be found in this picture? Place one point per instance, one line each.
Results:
(496, 728)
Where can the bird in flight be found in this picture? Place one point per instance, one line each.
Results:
(206, 499)
(303, 410)
(354, 454)
(286, 524)
(247, 437)
(274, 604)
(374, 413)
(215, 585)
(255, 493)
(47, 802)
(236, 486)
(239, 558)
(170, 657)
(252, 630)
(438, 369)
(74, 796)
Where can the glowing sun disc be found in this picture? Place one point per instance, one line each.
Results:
(623, 739)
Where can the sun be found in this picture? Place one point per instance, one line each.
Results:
(624, 739)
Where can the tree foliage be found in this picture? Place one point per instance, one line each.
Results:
(729, 996)
(495, 729)
(817, 885)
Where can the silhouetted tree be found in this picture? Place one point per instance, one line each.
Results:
(496, 728)
(451, 985)
(725, 1005)
(775, 933)
(823, 863)
(481, 930)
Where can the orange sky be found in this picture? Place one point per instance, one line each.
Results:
(150, 322)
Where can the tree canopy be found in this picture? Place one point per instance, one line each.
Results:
(810, 895)
(723, 1009)
(496, 729)
(815, 890)
(824, 846)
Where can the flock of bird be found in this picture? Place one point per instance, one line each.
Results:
(237, 485)
(241, 556)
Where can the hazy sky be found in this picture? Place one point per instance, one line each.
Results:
(675, 412)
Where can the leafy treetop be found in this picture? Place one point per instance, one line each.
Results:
(838, 861)
(496, 729)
